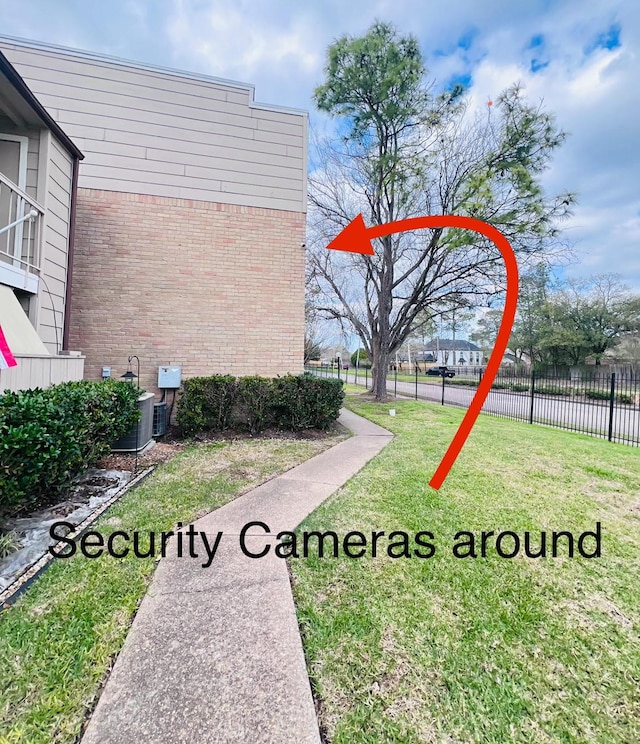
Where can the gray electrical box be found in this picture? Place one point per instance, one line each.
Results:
(106, 372)
(169, 377)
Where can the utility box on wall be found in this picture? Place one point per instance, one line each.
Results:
(169, 378)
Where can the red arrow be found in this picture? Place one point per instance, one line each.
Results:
(357, 237)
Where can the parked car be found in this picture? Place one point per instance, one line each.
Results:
(440, 372)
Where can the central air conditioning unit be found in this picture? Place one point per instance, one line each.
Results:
(159, 419)
(138, 437)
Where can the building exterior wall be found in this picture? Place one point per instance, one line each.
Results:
(448, 356)
(41, 371)
(48, 181)
(215, 288)
(151, 131)
(190, 217)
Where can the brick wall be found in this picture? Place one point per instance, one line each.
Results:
(212, 287)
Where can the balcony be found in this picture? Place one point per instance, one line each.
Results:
(21, 226)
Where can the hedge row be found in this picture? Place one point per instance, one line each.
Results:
(253, 404)
(49, 436)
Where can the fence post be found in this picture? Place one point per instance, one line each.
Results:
(395, 381)
(366, 378)
(443, 388)
(612, 398)
(533, 393)
(416, 382)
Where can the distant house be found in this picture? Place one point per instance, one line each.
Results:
(179, 236)
(330, 354)
(509, 359)
(451, 352)
(626, 352)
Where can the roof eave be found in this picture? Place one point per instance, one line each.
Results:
(23, 89)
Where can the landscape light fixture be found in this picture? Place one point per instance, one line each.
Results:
(130, 376)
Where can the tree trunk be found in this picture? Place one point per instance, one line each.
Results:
(379, 369)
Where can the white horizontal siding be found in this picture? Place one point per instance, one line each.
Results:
(69, 83)
(37, 371)
(261, 165)
(166, 137)
(52, 293)
(202, 190)
(141, 130)
(119, 72)
(55, 270)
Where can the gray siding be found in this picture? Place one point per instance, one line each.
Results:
(51, 295)
(161, 133)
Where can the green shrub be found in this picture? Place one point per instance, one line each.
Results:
(597, 394)
(253, 409)
(518, 387)
(461, 381)
(552, 390)
(306, 402)
(362, 359)
(48, 436)
(293, 402)
(625, 398)
(206, 403)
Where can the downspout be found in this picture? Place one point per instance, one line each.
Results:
(72, 239)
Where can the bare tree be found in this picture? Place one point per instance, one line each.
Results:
(405, 151)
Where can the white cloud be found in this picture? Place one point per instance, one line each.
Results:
(229, 39)
(280, 46)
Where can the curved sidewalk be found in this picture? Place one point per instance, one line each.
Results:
(214, 654)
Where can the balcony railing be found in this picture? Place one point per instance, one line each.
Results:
(21, 221)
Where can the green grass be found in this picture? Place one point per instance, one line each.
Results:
(59, 640)
(487, 649)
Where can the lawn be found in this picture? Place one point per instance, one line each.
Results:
(58, 642)
(491, 649)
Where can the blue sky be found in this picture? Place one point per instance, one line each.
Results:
(582, 61)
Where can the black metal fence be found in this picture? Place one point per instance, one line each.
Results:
(601, 404)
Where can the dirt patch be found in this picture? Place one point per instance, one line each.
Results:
(305, 434)
(161, 452)
(585, 612)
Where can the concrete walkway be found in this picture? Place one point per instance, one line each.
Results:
(214, 655)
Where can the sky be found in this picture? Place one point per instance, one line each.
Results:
(582, 61)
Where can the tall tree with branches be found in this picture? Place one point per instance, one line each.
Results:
(404, 150)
